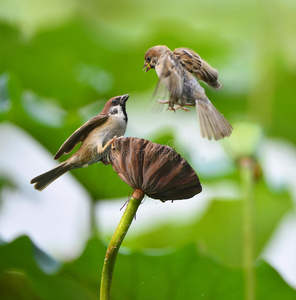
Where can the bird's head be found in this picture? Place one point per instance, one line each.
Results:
(152, 55)
(116, 107)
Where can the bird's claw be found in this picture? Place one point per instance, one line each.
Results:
(182, 107)
(175, 107)
(110, 142)
(171, 108)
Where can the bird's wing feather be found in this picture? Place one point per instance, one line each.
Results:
(190, 60)
(193, 63)
(171, 76)
(80, 134)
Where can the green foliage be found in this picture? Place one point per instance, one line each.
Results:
(176, 275)
(59, 63)
(219, 231)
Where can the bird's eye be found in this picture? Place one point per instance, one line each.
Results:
(114, 102)
(148, 59)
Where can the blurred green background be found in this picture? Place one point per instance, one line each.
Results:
(60, 61)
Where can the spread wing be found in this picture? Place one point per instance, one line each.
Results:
(80, 134)
(193, 63)
(171, 77)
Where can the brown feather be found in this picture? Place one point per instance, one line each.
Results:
(80, 134)
(212, 123)
(190, 60)
(156, 51)
(43, 180)
(193, 63)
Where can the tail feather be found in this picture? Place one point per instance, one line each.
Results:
(205, 128)
(212, 123)
(202, 124)
(45, 179)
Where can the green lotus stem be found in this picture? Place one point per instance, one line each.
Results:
(247, 175)
(115, 243)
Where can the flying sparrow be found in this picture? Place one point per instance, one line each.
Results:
(96, 135)
(178, 71)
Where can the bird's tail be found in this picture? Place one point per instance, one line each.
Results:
(212, 123)
(45, 179)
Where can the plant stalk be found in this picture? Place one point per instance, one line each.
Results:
(115, 243)
(247, 174)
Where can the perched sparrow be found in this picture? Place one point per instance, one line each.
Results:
(177, 71)
(95, 135)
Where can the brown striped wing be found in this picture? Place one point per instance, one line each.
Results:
(80, 134)
(193, 63)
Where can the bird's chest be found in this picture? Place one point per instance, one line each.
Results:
(114, 126)
(159, 70)
(98, 137)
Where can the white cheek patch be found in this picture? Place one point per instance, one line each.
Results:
(116, 110)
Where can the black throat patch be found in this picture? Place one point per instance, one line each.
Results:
(124, 112)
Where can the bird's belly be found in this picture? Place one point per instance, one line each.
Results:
(189, 93)
(192, 90)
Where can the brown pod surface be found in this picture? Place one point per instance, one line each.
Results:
(157, 170)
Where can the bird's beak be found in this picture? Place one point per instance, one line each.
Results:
(146, 66)
(124, 98)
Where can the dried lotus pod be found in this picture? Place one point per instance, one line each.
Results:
(153, 169)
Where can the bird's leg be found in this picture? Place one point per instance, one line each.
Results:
(182, 102)
(173, 104)
(171, 108)
(166, 102)
(100, 151)
(175, 107)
